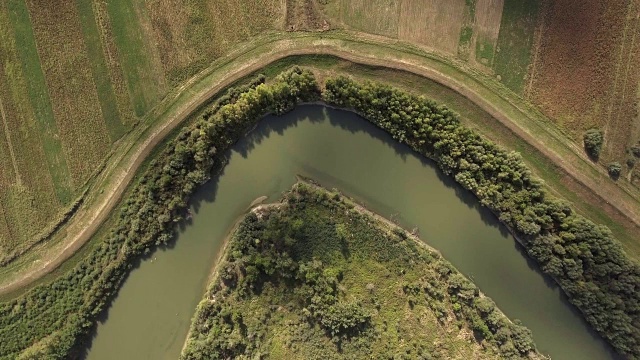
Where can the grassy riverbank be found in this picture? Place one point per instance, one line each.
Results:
(319, 276)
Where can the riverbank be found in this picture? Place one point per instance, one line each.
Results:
(109, 186)
(305, 210)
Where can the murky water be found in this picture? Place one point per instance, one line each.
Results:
(150, 317)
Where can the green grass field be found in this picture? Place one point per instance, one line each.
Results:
(100, 71)
(144, 85)
(515, 42)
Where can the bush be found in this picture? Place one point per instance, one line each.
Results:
(344, 318)
(593, 139)
(615, 169)
(48, 319)
(631, 162)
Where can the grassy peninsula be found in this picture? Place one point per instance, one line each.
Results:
(317, 276)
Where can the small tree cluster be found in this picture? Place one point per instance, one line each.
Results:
(593, 139)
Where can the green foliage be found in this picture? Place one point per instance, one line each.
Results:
(614, 169)
(325, 308)
(584, 258)
(50, 318)
(593, 140)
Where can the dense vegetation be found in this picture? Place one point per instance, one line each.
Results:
(46, 322)
(584, 258)
(317, 278)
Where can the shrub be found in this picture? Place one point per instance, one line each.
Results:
(593, 139)
(631, 162)
(614, 169)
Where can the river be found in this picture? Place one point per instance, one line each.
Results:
(150, 317)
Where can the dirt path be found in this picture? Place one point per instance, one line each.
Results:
(116, 183)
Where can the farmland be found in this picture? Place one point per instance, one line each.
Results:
(127, 55)
(77, 76)
(190, 35)
(592, 83)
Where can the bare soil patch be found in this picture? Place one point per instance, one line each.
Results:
(488, 16)
(305, 15)
(435, 23)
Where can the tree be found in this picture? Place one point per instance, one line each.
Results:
(593, 139)
(614, 170)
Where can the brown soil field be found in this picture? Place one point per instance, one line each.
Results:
(435, 23)
(73, 93)
(586, 72)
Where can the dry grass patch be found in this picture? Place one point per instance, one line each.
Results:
(73, 93)
(191, 34)
(435, 23)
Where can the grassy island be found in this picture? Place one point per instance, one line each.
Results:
(317, 276)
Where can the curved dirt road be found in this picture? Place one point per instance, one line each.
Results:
(118, 176)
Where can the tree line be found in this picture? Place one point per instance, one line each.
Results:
(584, 258)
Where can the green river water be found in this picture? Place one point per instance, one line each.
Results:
(150, 316)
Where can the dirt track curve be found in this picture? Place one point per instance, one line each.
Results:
(118, 181)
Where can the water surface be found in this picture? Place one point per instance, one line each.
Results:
(150, 317)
